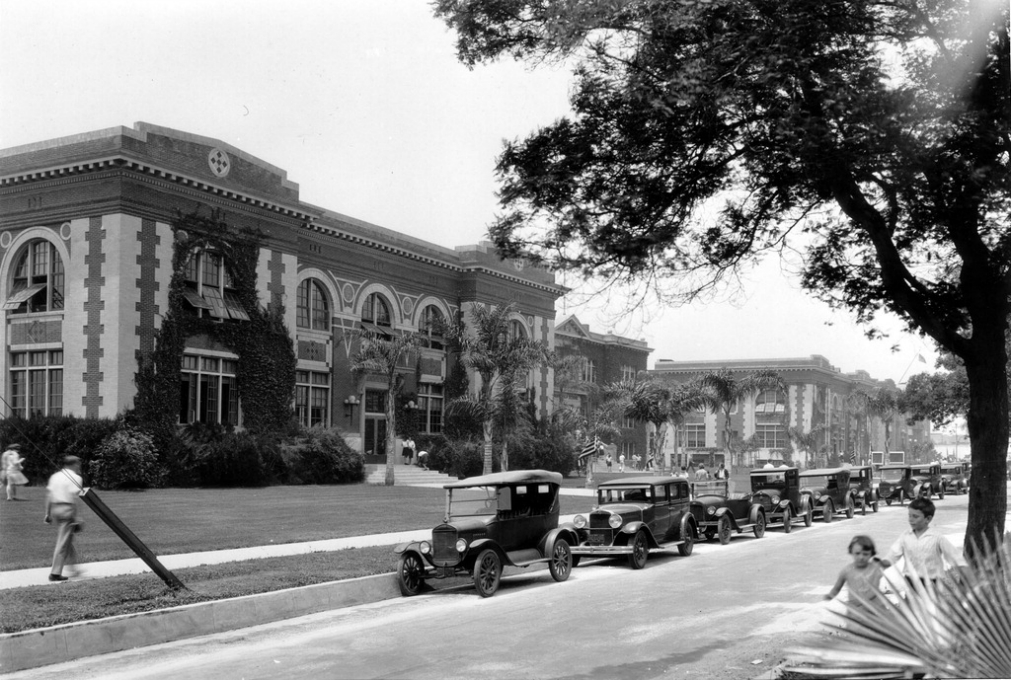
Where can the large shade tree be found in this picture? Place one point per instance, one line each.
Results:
(872, 136)
(502, 358)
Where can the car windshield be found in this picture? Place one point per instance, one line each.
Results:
(768, 481)
(926, 472)
(814, 482)
(481, 500)
(892, 475)
(952, 469)
(716, 487)
(624, 494)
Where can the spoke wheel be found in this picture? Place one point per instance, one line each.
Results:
(560, 565)
(827, 511)
(487, 572)
(410, 575)
(787, 521)
(760, 525)
(849, 508)
(688, 540)
(874, 506)
(640, 551)
(725, 531)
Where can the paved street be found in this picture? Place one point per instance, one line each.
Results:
(709, 615)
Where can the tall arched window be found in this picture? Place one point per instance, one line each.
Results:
(209, 287)
(313, 306)
(376, 310)
(517, 329)
(433, 326)
(37, 281)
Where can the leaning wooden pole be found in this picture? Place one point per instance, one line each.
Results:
(90, 497)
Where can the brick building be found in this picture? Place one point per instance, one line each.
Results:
(820, 401)
(604, 358)
(86, 252)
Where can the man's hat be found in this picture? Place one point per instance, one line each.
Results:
(14, 446)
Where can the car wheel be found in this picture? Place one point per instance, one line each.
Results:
(940, 494)
(787, 521)
(863, 506)
(487, 572)
(827, 511)
(560, 565)
(687, 541)
(874, 506)
(760, 525)
(849, 508)
(809, 516)
(724, 530)
(640, 551)
(410, 574)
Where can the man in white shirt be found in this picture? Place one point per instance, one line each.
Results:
(64, 490)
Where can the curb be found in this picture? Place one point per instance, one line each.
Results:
(67, 642)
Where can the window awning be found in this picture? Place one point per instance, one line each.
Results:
(18, 297)
(382, 332)
(193, 297)
(235, 309)
(217, 308)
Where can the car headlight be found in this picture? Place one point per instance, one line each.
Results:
(614, 521)
(775, 500)
(461, 545)
(579, 521)
(710, 510)
(425, 547)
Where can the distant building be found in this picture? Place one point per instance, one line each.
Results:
(604, 358)
(821, 403)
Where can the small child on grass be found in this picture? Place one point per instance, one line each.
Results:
(862, 575)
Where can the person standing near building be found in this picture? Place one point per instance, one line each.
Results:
(12, 466)
(722, 472)
(408, 450)
(621, 463)
(702, 472)
(64, 490)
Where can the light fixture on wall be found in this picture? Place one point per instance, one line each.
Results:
(349, 406)
(411, 406)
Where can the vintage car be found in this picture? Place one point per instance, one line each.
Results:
(928, 480)
(954, 477)
(719, 513)
(865, 489)
(829, 491)
(896, 483)
(635, 517)
(506, 518)
(777, 490)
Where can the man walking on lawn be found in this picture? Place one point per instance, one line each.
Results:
(61, 505)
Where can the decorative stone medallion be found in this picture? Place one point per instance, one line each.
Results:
(65, 231)
(349, 293)
(219, 162)
(5, 240)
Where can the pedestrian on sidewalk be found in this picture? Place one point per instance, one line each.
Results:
(408, 450)
(862, 576)
(926, 555)
(13, 463)
(621, 463)
(64, 490)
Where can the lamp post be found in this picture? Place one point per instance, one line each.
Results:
(349, 406)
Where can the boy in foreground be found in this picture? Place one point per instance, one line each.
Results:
(926, 554)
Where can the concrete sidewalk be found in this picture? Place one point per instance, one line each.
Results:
(90, 570)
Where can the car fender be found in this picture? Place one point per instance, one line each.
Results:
(860, 495)
(725, 512)
(823, 499)
(917, 490)
(688, 526)
(630, 529)
(480, 544)
(547, 544)
(756, 510)
(412, 546)
(787, 503)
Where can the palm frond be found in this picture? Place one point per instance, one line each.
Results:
(960, 628)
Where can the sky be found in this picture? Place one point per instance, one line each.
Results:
(366, 107)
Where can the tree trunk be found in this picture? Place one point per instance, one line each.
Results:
(505, 456)
(988, 436)
(391, 435)
(486, 470)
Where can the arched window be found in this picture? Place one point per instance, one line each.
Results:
(770, 402)
(209, 287)
(313, 306)
(517, 329)
(38, 279)
(376, 310)
(433, 326)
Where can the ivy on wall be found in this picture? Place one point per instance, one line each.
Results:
(266, 353)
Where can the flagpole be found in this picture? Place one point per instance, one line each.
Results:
(917, 357)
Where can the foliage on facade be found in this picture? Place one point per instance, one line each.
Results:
(267, 361)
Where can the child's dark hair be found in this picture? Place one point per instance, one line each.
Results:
(924, 505)
(865, 542)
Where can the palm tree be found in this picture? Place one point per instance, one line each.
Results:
(502, 361)
(387, 357)
(884, 406)
(727, 390)
(598, 414)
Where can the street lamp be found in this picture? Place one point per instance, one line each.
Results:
(349, 406)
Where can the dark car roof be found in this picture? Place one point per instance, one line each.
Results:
(895, 466)
(765, 471)
(642, 481)
(952, 465)
(511, 477)
(822, 471)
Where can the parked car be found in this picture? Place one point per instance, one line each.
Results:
(928, 480)
(635, 517)
(829, 491)
(506, 518)
(777, 490)
(719, 513)
(896, 483)
(953, 477)
(865, 489)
